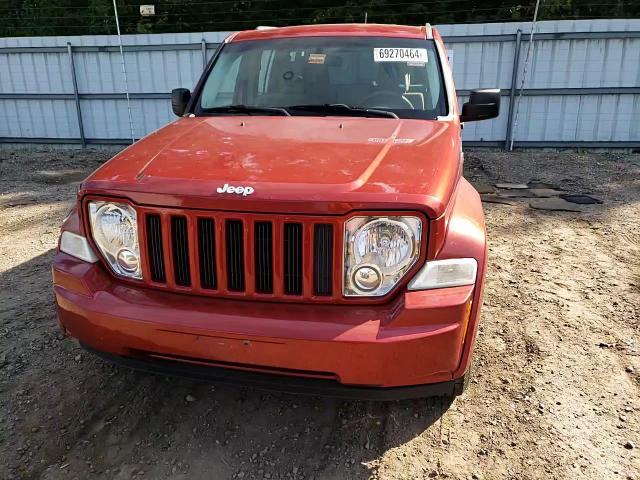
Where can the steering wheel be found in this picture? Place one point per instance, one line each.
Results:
(386, 99)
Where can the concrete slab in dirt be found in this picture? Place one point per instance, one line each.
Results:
(580, 199)
(512, 186)
(516, 194)
(553, 203)
(538, 184)
(545, 192)
(483, 187)
(492, 198)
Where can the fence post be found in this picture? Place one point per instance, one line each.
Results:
(512, 92)
(204, 54)
(75, 94)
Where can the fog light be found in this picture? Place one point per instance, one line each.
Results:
(127, 260)
(367, 278)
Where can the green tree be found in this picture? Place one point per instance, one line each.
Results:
(83, 17)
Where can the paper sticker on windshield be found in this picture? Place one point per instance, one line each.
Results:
(406, 55)
(317, 58)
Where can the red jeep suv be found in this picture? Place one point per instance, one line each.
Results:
(304, 225)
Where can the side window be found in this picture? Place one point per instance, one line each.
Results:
(266, 61)
(433, 82)
(220, 89)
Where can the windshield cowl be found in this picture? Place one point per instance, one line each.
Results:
(335, 109)
(248, 110)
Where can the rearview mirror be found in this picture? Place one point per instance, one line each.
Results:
(482, 105)
(179, 99)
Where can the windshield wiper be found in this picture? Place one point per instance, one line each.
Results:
(247, 109)
(341, 108)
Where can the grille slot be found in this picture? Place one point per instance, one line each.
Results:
(235, 255)
(323, 259)
(207, 253)
(293, 258)
(180, 242)
(155, 251)
(263, 243)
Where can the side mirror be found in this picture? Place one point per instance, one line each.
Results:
(179, 99)
(482, 105)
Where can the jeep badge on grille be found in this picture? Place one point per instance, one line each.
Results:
(244, 191)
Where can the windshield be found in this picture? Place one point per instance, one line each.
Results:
(327, 76)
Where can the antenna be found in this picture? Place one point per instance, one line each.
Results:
(366, 14)
(124, 71)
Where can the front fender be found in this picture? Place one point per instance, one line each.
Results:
(465, 237)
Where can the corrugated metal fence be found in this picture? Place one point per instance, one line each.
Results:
(583, 86)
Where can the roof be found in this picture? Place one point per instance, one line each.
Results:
(332, 30)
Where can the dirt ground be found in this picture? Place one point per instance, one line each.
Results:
(557, 378)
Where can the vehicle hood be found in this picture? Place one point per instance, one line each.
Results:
(298, 164)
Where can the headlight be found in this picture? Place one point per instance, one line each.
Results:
(378, 252)
(114, 227)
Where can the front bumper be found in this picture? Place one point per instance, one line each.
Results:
(282, 383)
(419, 338)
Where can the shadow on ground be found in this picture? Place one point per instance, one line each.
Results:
(70, 414)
